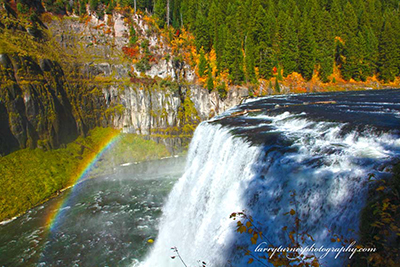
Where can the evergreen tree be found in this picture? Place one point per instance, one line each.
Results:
(189, 13)
(214, 18)
(388, 50)
(325, 47)
(82, 7)
(132, 36)
(261, 33)
(202, 63)
(201, 32)
(219, 44)
(210, 80)
(233, 55)
(360, 37)
(337, 18)
(307, 51)
(290, 48)
(277, 87)
(362, 65)
(372, 53)
(350, 69)
(160, 11)
(249, 60)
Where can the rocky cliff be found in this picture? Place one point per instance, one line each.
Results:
(39, 107)
(48, 102)
(159, 101)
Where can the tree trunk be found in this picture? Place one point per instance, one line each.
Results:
(167, 13)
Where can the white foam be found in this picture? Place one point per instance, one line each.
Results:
(225, 174)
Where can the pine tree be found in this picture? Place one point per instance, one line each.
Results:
(261, 33)
(362, 65)
(388, 50)
(160, 11)
(249, 60)
(337, 17)
(293, 35)
(201, 32)
(132, 36)
(325, 46)
(82, 7)
(372, 53)
(307, 51)
(210, 80)
(233, 55)
(214, 17)
(219, 44)
(277, 87)
(202, 63)
(281, 22)
(93, 4)
(189, 12)
(290, 48)
(350, 69)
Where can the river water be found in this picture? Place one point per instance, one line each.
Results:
(323, 147)
(107, 221)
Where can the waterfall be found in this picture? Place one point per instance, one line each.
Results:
(254, 166)
(196, 215)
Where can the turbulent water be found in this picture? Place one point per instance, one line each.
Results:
(323, 147)
(107, 221)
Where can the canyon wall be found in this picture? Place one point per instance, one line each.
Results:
(48, 102)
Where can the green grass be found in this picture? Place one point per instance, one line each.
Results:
(29, 177)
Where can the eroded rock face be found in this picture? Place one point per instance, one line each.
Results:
(210, 104)
(148, 110)
(144, 109)
(38, 107)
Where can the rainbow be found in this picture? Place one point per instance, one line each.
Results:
(80, 174)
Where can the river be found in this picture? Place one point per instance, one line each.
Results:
(322, 147)
(107, 221)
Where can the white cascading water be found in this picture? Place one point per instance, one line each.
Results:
(196, 215)
(327, 169)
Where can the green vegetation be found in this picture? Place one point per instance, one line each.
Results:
(24, 44)
(29, 177)
(334, 41)
(130, 148)
(251, 38)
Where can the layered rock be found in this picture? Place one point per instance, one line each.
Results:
(45, 103)
(147, 110)
(38, 107)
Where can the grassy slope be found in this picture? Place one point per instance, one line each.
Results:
(28, 177)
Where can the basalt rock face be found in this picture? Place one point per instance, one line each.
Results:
(144, 109)
(166, 115)
(210, 104)
(148, 110)
(38, 107)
